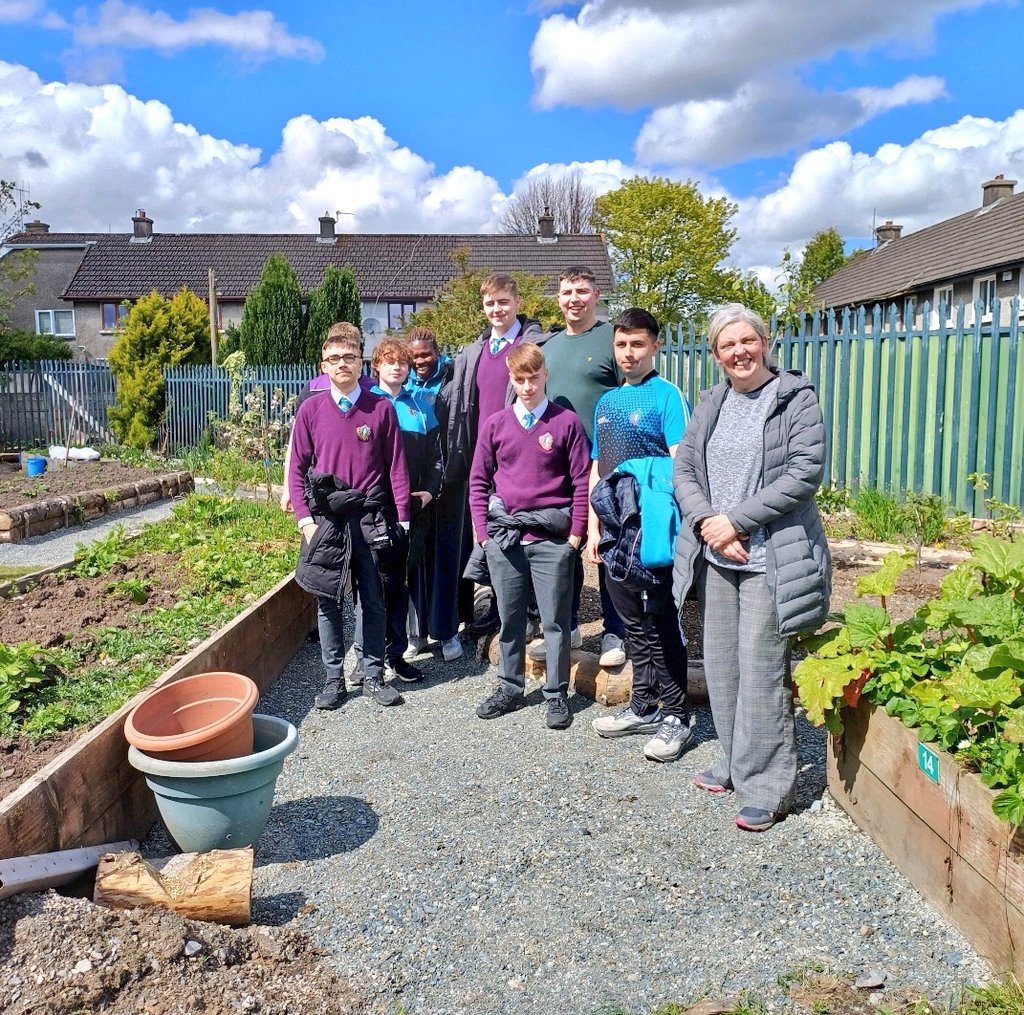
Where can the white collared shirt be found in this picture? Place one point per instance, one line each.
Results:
(510, 336)
(352, 394)
(521, 411)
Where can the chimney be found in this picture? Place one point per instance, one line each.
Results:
(36, 228)
(546, 226)
(143, 227)
(996, 189)
(327, 229)
(888, 231)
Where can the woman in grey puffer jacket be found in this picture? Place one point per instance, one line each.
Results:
(751, 540)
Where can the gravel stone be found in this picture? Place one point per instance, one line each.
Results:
(449, 865)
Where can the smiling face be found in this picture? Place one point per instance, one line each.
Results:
(634, 353)
(742, 354)
(529, 388)
(500, 308)
(423, 354)
(577, 299)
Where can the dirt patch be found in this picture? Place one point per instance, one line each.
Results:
(18, 489)
(913, 589)
(61, 956)
(61, 610)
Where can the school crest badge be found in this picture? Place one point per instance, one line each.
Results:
(634, 418)
(364, 433)
(546, 441)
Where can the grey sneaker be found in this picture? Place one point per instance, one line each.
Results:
(672, 738)
(452, 649)
(539, 652)
(415, 647)
(383, 694)
(332, 696)
(499, 703)
(626, 721)
(612, 652)
(559, 716)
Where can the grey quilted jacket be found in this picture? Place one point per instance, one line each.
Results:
(799, 569)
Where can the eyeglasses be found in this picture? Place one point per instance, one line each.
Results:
(333, 361)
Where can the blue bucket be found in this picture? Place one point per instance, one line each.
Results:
(35, 465)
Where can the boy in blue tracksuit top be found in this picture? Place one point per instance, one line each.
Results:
(637, 428)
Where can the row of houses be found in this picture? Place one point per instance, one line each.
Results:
(82, 279)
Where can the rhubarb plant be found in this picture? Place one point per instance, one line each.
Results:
(954, 670)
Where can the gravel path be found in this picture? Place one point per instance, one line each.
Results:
(449, 865)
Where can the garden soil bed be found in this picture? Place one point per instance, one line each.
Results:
(62, 497)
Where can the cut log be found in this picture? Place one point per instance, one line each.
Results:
(214, 886)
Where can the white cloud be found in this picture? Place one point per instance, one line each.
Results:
(15, 11)
(255, 33)
(709, 67)
(765, 116)
(932, 178)
(93, 154)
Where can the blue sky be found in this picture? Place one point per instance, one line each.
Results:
(411, 117)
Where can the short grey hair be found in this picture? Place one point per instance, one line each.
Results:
(734, 313)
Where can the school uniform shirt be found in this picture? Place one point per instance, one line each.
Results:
(546, 466)
(361, 446)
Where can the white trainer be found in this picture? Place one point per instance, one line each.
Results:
(612, 652)
(452, 649)
(416, 646)
(538, 652)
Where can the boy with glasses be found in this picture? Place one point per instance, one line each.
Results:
(349, 489)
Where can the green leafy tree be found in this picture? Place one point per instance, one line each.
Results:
(18, 267)
(272, 329)
(668, 244)
(336, 299)
(17, 346)
(456, 315)
(157, 333)
(748, 289)
(823, 256)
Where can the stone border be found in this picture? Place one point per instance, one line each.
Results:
(89, 794)
(44, 516)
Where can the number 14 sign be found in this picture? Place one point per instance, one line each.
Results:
(928, 762)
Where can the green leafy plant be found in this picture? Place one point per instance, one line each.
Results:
(94, 560)
(22, 669)
(954, 670)
(135, 589)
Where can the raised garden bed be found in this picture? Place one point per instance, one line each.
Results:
(63, 497)
(934, 820)
(89, 794)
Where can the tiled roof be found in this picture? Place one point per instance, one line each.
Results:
(978, 240)
(386, 266)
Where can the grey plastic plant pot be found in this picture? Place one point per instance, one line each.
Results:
(220, 804)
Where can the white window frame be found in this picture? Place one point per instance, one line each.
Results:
(405, 307)
(979, 283)
(50, 316)
(941, 298)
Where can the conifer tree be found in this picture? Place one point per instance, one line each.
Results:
(272, 326)
(336, 299)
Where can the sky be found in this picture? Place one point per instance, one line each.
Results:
(402, 116)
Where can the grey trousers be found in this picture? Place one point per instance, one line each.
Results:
(745, 663)
(548, 565)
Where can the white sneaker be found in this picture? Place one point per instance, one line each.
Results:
(612, 652)
(672, 738)
(538, 652)
(416, 646)
(452, 649)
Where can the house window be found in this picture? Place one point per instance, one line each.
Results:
(113, 315)
(59, 323)
(985, 293)
(397, 311)
(943, 305)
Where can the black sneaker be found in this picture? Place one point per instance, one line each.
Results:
(331, 696)
(499, 703)
(559, 716)
(381, 693)
(405, 671)
(487, 624)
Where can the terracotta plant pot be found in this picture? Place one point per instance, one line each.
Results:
(206, 717)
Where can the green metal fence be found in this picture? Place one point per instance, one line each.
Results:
(906, 406)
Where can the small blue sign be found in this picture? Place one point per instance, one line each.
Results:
(928, 762)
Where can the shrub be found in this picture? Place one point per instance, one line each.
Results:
(337, 299)
(18, 346)
(272, 327)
